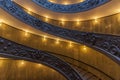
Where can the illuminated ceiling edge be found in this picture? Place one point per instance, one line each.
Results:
(71, 17)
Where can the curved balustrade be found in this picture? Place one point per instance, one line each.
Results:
(104, 43)
(69, 59)
(79, 7)
(11, 49)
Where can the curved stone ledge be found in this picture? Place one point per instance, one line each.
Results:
(100, 25)
(11, 49)
(103, 43)
(76, 51)
(79, 7)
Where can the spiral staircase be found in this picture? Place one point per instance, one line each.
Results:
(65, 40)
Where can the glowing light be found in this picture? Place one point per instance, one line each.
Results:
(62, 21)
(84, 47)
(82, 0)
(26, 33)
(44, 38)
(29, 11)
(46, 18)
(57, 41)
(78, 22)
(52, 1)
(65, 3)
(39, 65)
(118, 10)
(96, 20)
(3, 58)
(22, 63)
(70, 44)
(0, 22)
(52, 70)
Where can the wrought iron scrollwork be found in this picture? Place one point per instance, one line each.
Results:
(13, 49)
(106, 43)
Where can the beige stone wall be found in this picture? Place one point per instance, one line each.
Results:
(24, 70)
(77, 51)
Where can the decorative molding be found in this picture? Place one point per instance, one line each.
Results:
(10, 48)
(107, 44)
(72, 8)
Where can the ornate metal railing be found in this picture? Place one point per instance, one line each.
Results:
(105, 43)
(69, 59)
(11, 49)
(79, 7)
(65, 58)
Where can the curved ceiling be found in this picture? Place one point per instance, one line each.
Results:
(109, 8)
